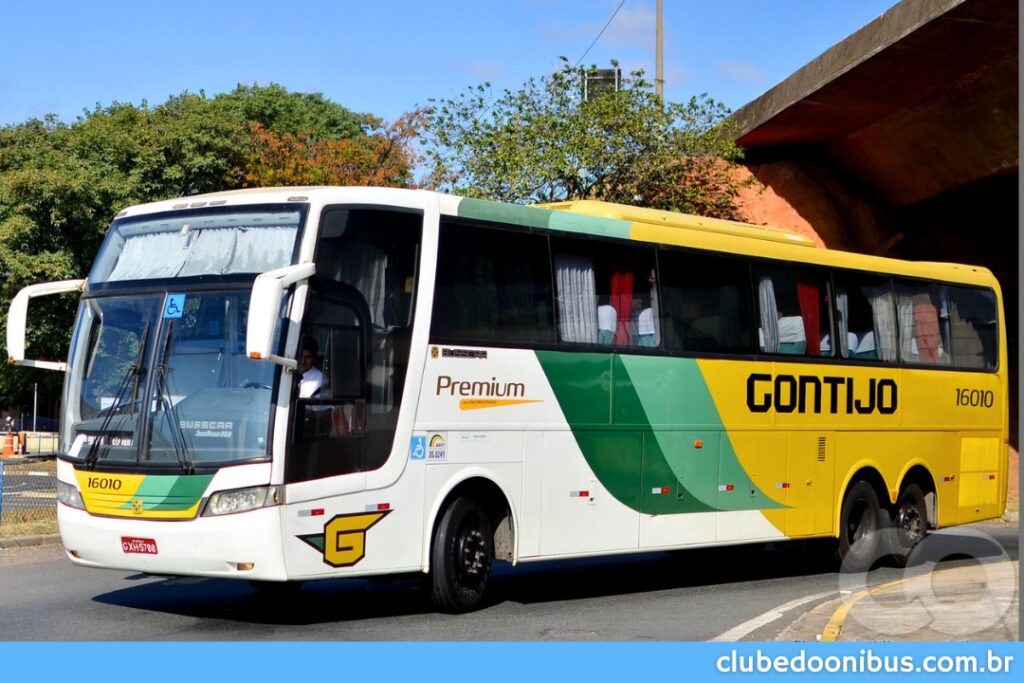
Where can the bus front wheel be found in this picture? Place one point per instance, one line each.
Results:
(860, 528)
(460, 562)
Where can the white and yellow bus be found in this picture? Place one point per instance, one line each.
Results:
(507, 382)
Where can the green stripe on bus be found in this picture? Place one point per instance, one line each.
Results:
(171, 492)
(535, 217)
(636, 419)
(504, 213)
(589, 225)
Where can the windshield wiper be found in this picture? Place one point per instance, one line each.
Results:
(168, 408)
(130, 377)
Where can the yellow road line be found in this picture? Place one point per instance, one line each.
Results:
(835, 623)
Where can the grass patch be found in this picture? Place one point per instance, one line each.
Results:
(29, 527)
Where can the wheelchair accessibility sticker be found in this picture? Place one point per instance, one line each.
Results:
(418, 447)
(175, 306)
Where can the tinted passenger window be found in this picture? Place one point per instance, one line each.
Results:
(794, 312)
(492, 285)
(707, 303)
(866, 310)
(606, 294)
(974, 328)
(923, 317)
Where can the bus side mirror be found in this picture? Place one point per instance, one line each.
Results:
(265, 311)
(17, 321)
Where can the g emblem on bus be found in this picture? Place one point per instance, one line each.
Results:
(343, 542)
(137, 506)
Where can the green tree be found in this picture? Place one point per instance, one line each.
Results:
(545, 142)
(61, 184)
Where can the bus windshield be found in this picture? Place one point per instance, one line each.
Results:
(206, 242)
(163, 379)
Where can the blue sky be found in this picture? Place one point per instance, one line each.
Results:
(385, 57)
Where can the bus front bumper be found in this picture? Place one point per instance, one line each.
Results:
(246, 545)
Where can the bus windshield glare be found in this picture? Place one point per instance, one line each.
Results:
(166, 389)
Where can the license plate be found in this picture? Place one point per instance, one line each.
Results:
(138, 546)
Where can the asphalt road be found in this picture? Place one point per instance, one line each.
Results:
(691, 595)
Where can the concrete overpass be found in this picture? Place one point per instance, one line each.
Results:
(902, 139)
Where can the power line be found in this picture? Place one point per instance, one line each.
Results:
(610, 19)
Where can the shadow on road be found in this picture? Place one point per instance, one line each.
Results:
(352, 600)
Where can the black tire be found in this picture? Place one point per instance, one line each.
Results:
(909, 524)
(860, 528)
(460, 558)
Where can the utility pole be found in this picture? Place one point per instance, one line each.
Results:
(659, 66)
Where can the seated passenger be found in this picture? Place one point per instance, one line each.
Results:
(792, 339)
(607, 320)
(866, 348)
(851, 344)
(645, 329)
(312, 378)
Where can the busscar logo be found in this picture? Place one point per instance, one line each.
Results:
(343, 542)
(464, 353)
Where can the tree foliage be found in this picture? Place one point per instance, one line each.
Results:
(545, 142)
(381, 156)
(61, 184)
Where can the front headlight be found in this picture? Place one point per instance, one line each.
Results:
(69, 495)
(242, 500)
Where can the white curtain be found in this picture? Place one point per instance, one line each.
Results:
(210, 251)
(905, 314)
(843, 306)
(655, 312)
(364, 266)
(769, 316)
(883, 314)
(577, 299)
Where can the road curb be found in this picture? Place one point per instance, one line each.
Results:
(24, 541)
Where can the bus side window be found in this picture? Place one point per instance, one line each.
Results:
(866, 317)
(973, 327)
(707, 303)
(795, 318)
(924, 324)
(607, 294)
(492, 285)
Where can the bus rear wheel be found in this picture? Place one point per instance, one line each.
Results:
(909, 522)
(860, 528)
(460, 562)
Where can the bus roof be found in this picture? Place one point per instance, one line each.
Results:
(590, 217)
(674, 219)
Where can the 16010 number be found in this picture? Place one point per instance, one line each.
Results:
(975, 398)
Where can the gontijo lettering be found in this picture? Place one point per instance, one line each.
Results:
(811, 394)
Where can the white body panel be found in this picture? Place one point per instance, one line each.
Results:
(497, 417)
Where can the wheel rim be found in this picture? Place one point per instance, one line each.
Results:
(472, 559)
(910, 524)
(861, 521)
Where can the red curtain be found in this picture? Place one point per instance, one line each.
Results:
(622, 301)
(809, 297)
(927, 322)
